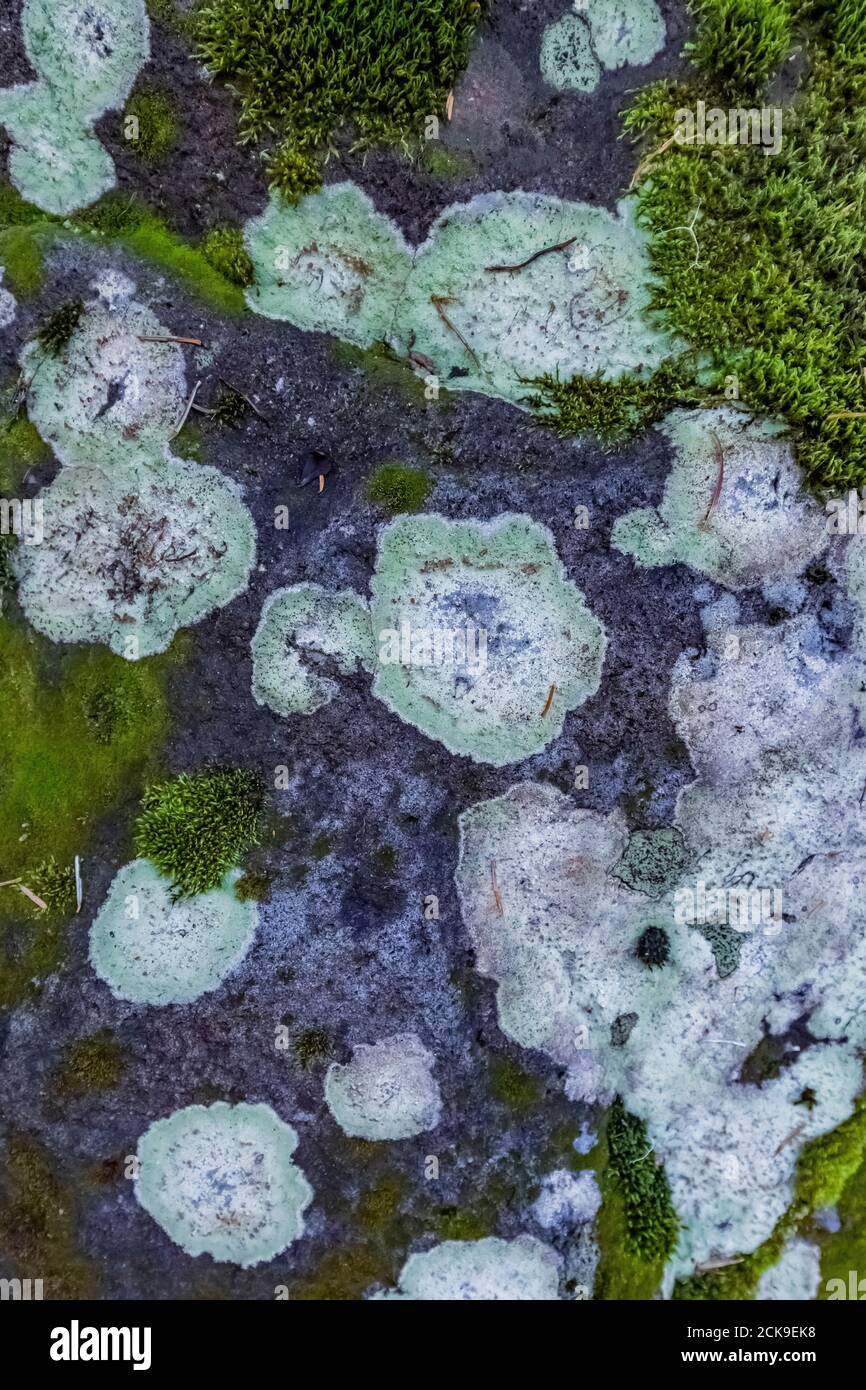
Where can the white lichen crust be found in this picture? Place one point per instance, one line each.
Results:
(520, 1270)
(386, 1091)
(220, 1181)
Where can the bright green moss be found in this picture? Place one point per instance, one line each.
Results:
(758, 258)
(38, 1216)
(90, 1064)
(740, 43)
(198, 826)
(21, 447)
(223, 248)
(151, 115)
(59, 774)
(442, 163)
(615, 411)
(293, 173)
(307, 70)
(397, 488)
(21, 254)
(650, 1220)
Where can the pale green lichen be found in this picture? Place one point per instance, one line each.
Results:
(499, 582)
(524, 1269)
(567, 58)
(137, 543)
(386, 1091)
(220, 1180)
(335, 264)
(733, 507)
(304, 633)
(152, 948)
(87, 54)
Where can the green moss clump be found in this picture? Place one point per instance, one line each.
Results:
(55, 332)
(441, 163)
(313, 1045)
(90, 1064)
(7, 578)
(292, 173)
(653, 947)
(306, 70)
(21, 254)
(37, 1223)
(21, 447)
(651, 1222)
(777, 297)
(224, 249)
(55, 884)
(397, 488)
(230, 408)
(157, 129)
(198, 826)
(615, 411)
(169, 16)
(741, 43)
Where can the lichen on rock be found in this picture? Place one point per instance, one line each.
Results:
(386, 1091)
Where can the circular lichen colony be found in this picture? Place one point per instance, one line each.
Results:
(305, 636)
(733, 507)
(110, 397)
(387, 1090)
(483, 641)
(153, 948)
(520, 1270)
(131, 556)
(603, 34)
(220, 1181)
(87, 54)
(332, 264)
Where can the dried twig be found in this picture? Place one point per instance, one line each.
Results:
(653, 154)
(789, 1138)
(79, 890)
(189, 405)
(709, 1265)
(439, 301)
(170, 338)
(449, 105)
(497, 897)
(545, 251)
(845, 415)
(549, 701)
(717, 490)
(34, 898)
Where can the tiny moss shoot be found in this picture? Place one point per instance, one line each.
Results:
(308, 70)
(651, 1222)
(55, 332)
(198, 826)
(397, 489)
(90, 1064)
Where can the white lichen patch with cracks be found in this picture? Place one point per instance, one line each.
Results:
(334, 263)
(601, 35)
(8, 307)
(87, 55)
(153, 948)
(134, 554)
(796, 1276)
(771, 721)
(386, 1091)
(305, 632)
(733, 507)
(543, 648)
(520, 1270)
(220, 1180)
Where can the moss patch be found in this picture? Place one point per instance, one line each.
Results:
(38, 1220)
(198, 826)
(90, 1064)
(62, 766)
(397, 489)
(223, 248)
(149, 123)
(307, 70)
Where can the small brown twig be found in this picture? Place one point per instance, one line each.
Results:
(34, 898)
(709, 1265)
(717, 490)
(170, 338)
(497, 897)
(549, 701)
(439, 301)
(545, 251)
(845, 415)
(793, 1135)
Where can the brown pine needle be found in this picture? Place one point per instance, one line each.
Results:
(449, 106)
(189, 405)
(28, 893)
(845, 415)
(497, 897)
(549, 701)
(438, 301)
(252, 405)
(793, 1135)
(170, 338)
(545, 251)
(717, 490)
(321, 482)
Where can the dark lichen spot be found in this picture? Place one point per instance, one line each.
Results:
(653, 947)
